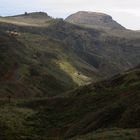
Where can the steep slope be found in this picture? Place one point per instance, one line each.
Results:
(26, 71)
(93, 19)
(67, 54)
(100, 49)
(40, 64)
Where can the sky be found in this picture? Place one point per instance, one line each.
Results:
(126, 12)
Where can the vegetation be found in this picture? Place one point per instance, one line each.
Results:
(57, 80)
(102, 110)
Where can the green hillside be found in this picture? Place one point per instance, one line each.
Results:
(106, 110)
(62, 81)
(60, 55)
(40, 65)
(25, 75)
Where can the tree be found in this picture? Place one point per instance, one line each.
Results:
(25, 13)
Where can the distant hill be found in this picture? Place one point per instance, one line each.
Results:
(60, 55)
(93, 19)
(28, 19)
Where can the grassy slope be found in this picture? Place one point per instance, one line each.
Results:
(27, 70)
(43, 65)
(111, 50)
(80, 54)
(108, 110)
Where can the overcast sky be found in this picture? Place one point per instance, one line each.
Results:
(126, 12)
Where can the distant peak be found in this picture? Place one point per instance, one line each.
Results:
(93, 19)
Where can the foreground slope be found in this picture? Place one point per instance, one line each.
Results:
(106, 110)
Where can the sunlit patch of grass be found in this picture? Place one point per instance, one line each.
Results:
(76, 75)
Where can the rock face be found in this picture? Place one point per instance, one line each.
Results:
(93, 19)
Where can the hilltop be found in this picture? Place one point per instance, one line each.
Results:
(28, 19)
(34, 15)
(93, 19)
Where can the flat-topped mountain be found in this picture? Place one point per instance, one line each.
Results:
(93, 19)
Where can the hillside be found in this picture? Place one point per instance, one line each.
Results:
(65, 81)
(30, 66)
(109, 109)
(93, 19)
(60, 55)
(38, 63)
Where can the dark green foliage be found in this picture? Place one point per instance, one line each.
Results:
(28, 71)
(90, 109)
(84, 110)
